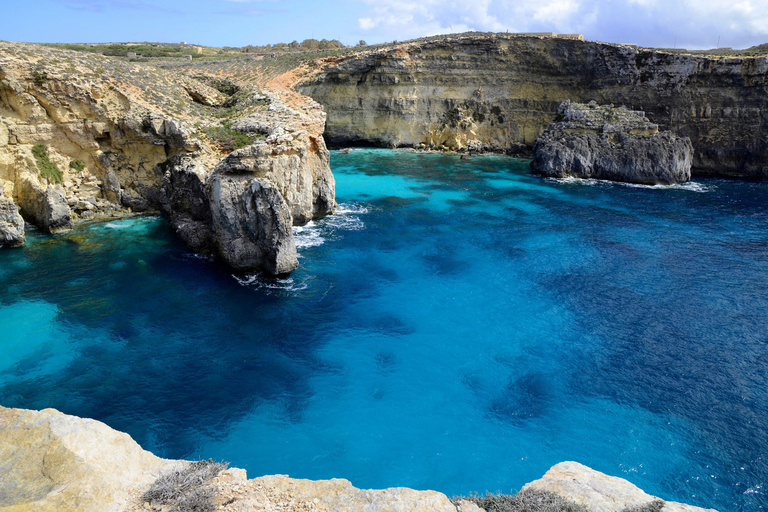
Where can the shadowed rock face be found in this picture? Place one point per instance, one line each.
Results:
(11, 224)
(120, 135)
(610, 143)
(497, 91)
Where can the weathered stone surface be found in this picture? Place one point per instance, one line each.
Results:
(498, 90)
(122, 150)
(11, 223)
(599, 492)
(340, 496)
(251, 224)
(51, 462)
(589, 141)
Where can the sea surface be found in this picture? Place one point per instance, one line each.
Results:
(459, 326)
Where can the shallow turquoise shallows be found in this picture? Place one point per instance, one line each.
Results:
(458, 325)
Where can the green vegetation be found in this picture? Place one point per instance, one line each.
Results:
(229, 138)
(140, 49)
(186, 489)
(77, 165)
(49, 170)
(524, 501)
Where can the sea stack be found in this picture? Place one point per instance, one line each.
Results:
(611, 143)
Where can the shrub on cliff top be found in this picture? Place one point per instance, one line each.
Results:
(49, 170)
(525, 501)
(187, 489)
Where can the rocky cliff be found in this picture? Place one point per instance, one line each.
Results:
(501, 92)
(50, 461)
(610, 143)
(85, 137)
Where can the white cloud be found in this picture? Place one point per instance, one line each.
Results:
(695, 23)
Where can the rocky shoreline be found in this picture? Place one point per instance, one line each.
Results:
(83, 136)
(50, 461)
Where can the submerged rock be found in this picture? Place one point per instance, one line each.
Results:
(603, 142)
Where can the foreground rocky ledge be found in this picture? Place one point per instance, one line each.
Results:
(603, 142)
(50, 461)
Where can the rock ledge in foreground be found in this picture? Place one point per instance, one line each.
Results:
(604, 142)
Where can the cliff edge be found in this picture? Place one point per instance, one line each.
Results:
(50, 461)
(500, 92)
(86, 137)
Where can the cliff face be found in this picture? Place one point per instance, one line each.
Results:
(85, 137)
(498, 92)
(50, 461)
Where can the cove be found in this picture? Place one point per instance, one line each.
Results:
(459, 326)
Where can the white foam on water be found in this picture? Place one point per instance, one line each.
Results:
(112, 225)
(269, 284)
(308, 235)
(691, 186)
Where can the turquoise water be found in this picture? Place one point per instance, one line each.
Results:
(459, 326)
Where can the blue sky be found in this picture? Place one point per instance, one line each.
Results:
(684, 23)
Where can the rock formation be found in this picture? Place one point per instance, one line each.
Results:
(500, 91)
(85, 137)
(50, 461)
(591, 141)
(11, 222)
(601, 493)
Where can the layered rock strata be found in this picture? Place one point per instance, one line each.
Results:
(50, 461)
(499, 91)
(604, 142)
(84, 137)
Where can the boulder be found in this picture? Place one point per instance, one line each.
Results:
(44, 206)
(589, 141)
(598, 492)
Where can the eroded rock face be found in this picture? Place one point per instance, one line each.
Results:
(252, 224)
(498, 91)
(11, 223)
(599, 492)
(120, 136)
(590, 141)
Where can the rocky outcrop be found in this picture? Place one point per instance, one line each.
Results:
(84, 137)
(499, 91)
(598, 492)
(53, 462)
(603, 142)
(11, 222)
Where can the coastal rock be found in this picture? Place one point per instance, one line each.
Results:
(11, 223)
(339, 495)
(502, 91)
(52, 462)
(44, 206)
(252, 224)
(122, 149)
(590, 141)
(599, 492)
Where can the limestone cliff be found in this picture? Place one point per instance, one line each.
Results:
(85, 137)
(502, 91)
(53, 462)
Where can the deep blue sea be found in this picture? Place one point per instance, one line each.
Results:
(459, 326)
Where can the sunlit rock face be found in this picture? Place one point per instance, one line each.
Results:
(502, 91)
